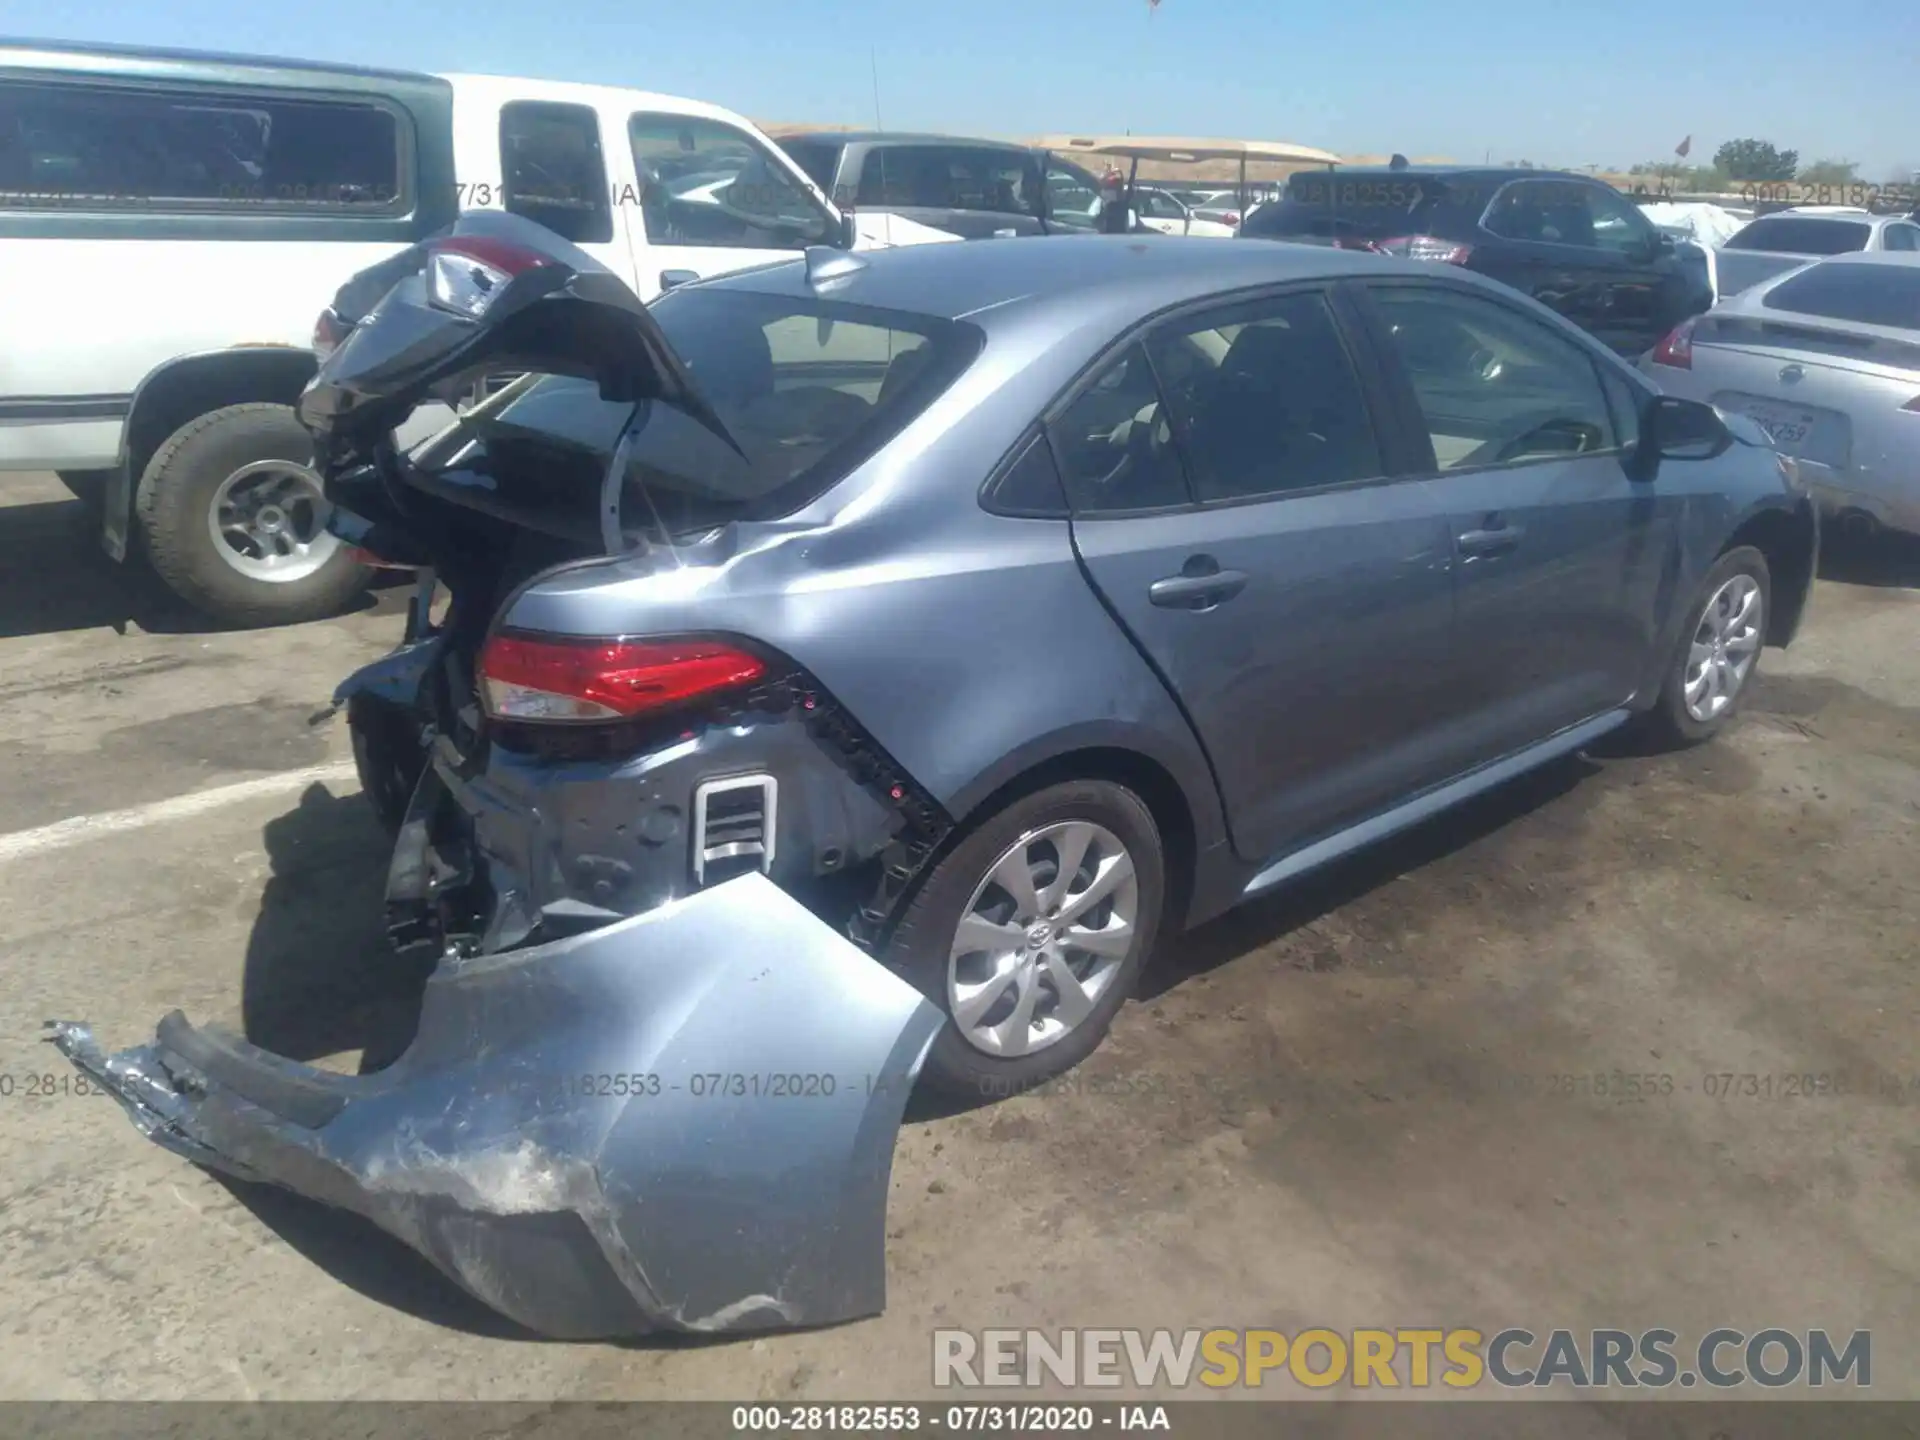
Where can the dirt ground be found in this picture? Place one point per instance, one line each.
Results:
(1360, 1103)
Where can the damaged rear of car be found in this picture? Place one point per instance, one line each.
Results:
(648, 1088)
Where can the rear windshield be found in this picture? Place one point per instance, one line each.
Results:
(1802, 235)
(1314, 206)
(806, 388)
(1869, 294)
(950, 177)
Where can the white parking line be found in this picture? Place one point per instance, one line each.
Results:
(63, 833)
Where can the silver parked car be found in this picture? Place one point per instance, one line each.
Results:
(1774, 244)
(1827, 361)
(1004, 605)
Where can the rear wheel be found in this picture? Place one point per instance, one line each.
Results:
(1719, 650)
(1031, 933)
(235, 520)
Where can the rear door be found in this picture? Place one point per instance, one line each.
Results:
(1582, 250)
(712, 199)
(1558, 553)
(1233, 504)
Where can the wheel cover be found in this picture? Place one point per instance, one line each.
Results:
(268, 522)
(1725, 644)
(1043, 938)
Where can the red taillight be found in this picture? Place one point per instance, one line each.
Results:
(1676, 349)
(552, 678)
(1232, 217)
(1424, 247)
(466, 273)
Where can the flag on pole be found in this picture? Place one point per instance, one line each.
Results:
(1683, 149)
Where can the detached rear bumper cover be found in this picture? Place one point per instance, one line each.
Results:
(683, 1121)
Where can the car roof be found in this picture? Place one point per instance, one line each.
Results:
(1117, 275)
(897, 137)
(1498, 173)
(49, 53)
(499, 89)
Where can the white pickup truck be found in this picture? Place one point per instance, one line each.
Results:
(171, 225)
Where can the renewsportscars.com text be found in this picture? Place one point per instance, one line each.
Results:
(1451, 1359)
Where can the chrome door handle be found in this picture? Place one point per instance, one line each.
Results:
(1196, 592)
(1491, 542)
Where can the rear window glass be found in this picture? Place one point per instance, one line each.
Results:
(950, 177)
(1869, 294)
(74, 146)
(1802, 235)
(1312, 206)
(806, 388)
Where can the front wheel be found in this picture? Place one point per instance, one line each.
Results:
(235, 520)
(1719, 651)
(1031, 933)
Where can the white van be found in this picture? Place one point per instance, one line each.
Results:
(171, 224)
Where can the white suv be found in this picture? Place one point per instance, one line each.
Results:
(171, 224)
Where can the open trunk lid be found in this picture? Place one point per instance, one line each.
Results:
(493, 292)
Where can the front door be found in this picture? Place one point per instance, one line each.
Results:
(1559, 553)
(1583, 250)
(1230, 505)
(713, 199)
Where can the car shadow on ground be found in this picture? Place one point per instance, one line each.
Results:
(320, 984)
(1884, 559)
(54, 577)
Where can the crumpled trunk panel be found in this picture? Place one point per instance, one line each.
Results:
(682, 1121)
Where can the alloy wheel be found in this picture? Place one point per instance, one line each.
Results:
(1043, 938)
(1725, 645)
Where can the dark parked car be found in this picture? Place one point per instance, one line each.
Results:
(973, 188)
(1008, 605)
(1574, 244)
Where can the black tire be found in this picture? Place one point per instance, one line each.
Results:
(1668, 725)
(177, 491)
(923, 936)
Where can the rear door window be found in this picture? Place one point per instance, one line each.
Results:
(1264, 399)
(705, 182)
(1495, 387)
(180, 149)
(553, 170)
(950, 177)
(1114, 442)
(1802, 235)
(1901, 237)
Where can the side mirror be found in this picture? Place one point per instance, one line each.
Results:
(1675, 429)
(848, 235)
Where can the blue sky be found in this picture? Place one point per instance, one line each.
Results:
(1560, 84)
